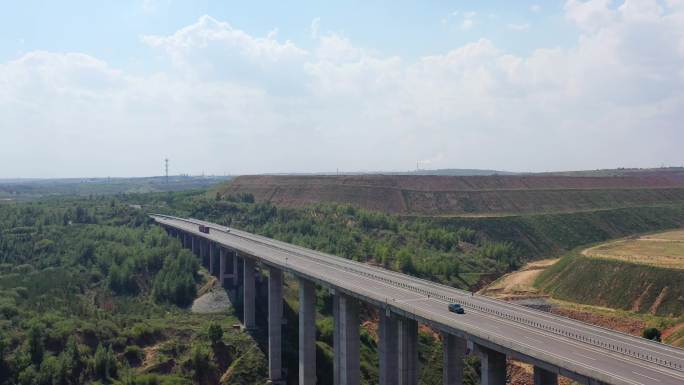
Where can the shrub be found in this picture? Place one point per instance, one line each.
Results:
(202, 363)
(651, 334)
(133, 354)
(215, 333)
(105, 366)
(175, 283)
(36, 344)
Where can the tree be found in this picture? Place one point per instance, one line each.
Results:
(651, 334)
(201, 361)
(72, 363)
(405, 262)
(36, 347)
(105, 363)
(215, 333)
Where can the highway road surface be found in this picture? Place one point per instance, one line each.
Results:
(574, 349)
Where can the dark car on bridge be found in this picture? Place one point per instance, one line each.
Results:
(456, 308)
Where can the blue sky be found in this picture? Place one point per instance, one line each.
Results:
(112, 88)
(111, 30)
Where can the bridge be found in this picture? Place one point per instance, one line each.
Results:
(494, 330)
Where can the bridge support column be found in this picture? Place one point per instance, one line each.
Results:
(493, 367)
(249, 292)
(194, 245)
(307, 332)
(275, 324)
(346, 340)
(408, 352)
(222, 265)
(387, 349)
(236, 275)
(210, 247)
(544, 377)
(204, 251)
(454, 352)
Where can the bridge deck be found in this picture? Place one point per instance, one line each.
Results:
(574, 349)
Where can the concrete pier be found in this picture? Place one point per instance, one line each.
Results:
(222, 266)
(194, 245)
(210, 248)
(275, 324)
(388, 349)
(200, 242)
(236, 269)
(408, 352)
(544, 377)
(346, 340)
(307, 332)
(493, 367)
(249, 294)
(454, 349)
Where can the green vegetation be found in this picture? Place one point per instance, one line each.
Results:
(90, 291)
(651, 334)
(24, 189)
(615, 284)
(419, 247)
(544, 235)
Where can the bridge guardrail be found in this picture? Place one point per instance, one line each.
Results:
(470, 304)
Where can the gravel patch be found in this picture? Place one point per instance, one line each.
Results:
(214, 301)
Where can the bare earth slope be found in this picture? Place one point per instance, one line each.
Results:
(464, 195)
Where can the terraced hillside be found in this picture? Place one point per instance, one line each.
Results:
(464, 195)
(615, 284)
(641, 274)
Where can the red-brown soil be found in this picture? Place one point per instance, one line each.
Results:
(459, 195)
(622, 324)
(522, 374)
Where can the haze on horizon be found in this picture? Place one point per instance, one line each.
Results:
(266, 87)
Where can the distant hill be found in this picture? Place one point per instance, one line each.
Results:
(443, 171)
(464, 195)
(671, 172)
(14, 189)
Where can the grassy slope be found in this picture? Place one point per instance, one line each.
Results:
(664, 250)
(551, 234)
(615, 284)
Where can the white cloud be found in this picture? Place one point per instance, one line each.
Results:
(315, 27)
(230, 101)
(467, 24)
(518, 27)
(536, 8)
(590, 15)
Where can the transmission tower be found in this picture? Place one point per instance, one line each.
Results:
(166, 168)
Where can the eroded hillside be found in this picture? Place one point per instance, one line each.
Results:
(464, 195)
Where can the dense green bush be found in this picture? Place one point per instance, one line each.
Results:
(651, 334)
(105, 365)
(175, 282)
(215, 333)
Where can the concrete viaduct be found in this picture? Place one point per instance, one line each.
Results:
(494, 330)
